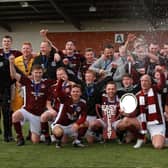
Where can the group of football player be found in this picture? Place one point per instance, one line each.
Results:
(66, 96)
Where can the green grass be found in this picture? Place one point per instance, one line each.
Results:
(95, 156)
(108, 155)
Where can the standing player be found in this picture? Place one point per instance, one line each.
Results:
(5, 98)
(24, 64)
(72, 60)
(5, 89)
(89, 60)
(46, 60)
(6, 49)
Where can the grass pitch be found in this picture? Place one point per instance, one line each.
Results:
(108, 155)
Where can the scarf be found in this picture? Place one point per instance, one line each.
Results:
(150, 111)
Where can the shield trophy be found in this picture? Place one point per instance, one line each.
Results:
(128, 103)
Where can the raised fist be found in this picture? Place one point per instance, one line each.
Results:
(57, 57)
(43, 32)
(65, 61)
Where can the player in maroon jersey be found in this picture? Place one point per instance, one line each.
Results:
(53, 102)
(89, 60)
(107, 111)
(36, 94)
(71, 116)
(72, 60)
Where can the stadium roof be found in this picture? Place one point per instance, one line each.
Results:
(76, 12)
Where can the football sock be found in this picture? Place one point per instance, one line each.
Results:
(81, 132)
(45, 129)
(18, 130)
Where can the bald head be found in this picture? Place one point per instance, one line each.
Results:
(146, 82)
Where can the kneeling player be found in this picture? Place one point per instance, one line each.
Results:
(109, 107)
(71, 118)
(36, 90)
(53, 102)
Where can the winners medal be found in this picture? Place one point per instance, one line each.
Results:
(37, 88)
(44, 68)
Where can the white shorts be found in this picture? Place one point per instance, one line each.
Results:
(103, 123)
(156, 129)
(67, 129)
(33, 120)
(115, 123)
(90, 118)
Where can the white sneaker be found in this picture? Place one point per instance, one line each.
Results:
(77, 143)
(53, 139)
(138, 143)
(58, 144)
(42, 138)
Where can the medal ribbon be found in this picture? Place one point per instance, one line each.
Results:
(6, 55)
(44, 61)
(26, 66)
(37, 88)
(64, 85)
(106, 64)
(89, 90)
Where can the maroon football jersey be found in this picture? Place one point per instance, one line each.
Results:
(36, 95)
(16, 53)
(85, 67)
(52, 94)
(70, 112)
(75, 62)
(111, 106)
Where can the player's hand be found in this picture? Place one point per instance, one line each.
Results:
(101, 72)
(57, 57)
(162, 52)
(30, 77)
(12, 59)
(114, 65)
(131, 37)
(158, 68)
(65, 61)
(53, 112)
(122, 113)
(43, 32)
